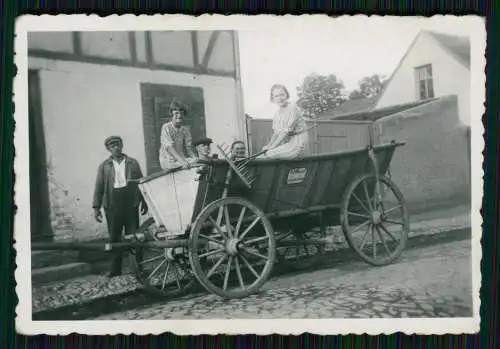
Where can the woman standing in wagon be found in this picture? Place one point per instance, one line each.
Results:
(176, 140)
(289, 137)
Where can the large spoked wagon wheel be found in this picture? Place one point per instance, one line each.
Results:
(162, 271)
(374, 219)
(303, 255)
(232, 248)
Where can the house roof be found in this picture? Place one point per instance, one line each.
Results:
(373, 115)
(458, 46)
(350, 106)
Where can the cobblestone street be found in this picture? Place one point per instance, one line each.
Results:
(426, 282)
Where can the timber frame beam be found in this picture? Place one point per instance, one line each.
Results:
(199, 68)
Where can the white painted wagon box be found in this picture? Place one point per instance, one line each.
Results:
(170, 197)
(88, 85)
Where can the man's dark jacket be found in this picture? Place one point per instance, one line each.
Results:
(105, 181)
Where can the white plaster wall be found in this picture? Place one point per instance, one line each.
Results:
(83, 103)
(449, 75)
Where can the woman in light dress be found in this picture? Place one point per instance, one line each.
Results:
(176, 141)
(290, 138)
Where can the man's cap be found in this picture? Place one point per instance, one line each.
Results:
(204, 140)
(111, 140)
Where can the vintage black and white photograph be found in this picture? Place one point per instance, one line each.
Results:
(249, 174)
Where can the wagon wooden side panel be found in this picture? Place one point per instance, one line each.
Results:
(284, 186)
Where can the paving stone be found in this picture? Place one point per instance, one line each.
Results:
(353, 291)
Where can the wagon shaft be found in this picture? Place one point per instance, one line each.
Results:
(101, 246)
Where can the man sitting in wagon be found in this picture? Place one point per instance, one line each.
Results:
(238, 150)
(203, 148)
(176, 140)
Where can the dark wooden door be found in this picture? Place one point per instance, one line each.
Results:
(156, 100)
(41, 228)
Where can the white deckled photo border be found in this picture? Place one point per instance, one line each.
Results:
(24, 322)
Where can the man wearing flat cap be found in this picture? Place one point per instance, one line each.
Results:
(119, 197)
(202, 146)
(176, 142)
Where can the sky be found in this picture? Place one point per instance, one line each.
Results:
(350, 49)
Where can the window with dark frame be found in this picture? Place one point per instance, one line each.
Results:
(425, 85)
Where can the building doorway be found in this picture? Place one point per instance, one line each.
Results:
(156, 100)
(41, 228)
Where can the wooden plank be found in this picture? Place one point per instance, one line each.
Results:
(132, 47)
(149, 49)
(194, 43)
(77, 44)
(322, 178)
(208, 52)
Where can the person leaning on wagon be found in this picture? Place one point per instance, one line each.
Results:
(176, 140)
(238, 150)
(289, 137)
(203, 148)
(119, 197)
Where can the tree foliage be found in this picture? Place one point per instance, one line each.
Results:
(369, 86)
(319, 93)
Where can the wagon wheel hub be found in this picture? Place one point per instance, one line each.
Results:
(169, 254)
(232, 246)
(376, 217)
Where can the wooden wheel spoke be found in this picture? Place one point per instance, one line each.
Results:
(156, 277)
(365, 238)
(216, 265)
(157, 268)
(376, 192)
(228, 271)
(165, 277)
(393, 222)
(246, 232)
(383, 241)
(240, 220)
(374, 242)
(211, 253)
(228, 222)
(254, 253)
(215, 241)
(249, 242)
(151, 259)
(177, 277)
(386, 212)
(365, 188)
(360, 203)
(386, 207)
(388, 233)
(355, 229)
(357, 215)
(249, 266)
(255, 221)
(238, 272)
(217, 227)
